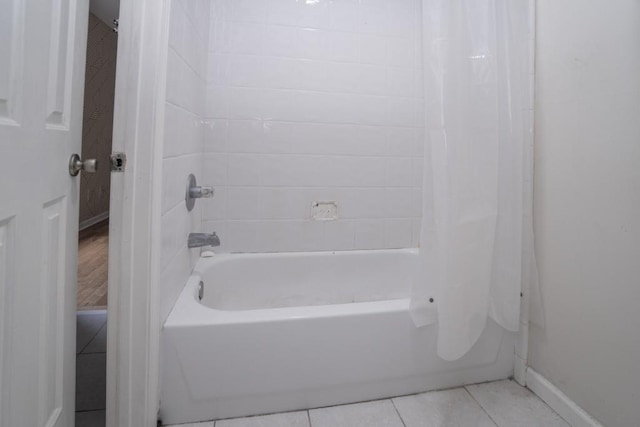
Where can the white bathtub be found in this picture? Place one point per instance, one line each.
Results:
(282, 332)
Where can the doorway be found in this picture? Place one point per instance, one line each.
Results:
(93, 241)
(97, 133)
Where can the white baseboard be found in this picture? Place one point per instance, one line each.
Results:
(94, 220)
(520, 371)
(558, 401)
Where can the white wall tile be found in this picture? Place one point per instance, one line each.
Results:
(285, 73)
(215, 208)
(398, 233)
(374, 80)
(342, 46)
(369, 234)
(246, 136)
(216, 135)
(184, 133)
(418, 172)
(339, 235)
(415, 232)
(401, 52)
(254, 11)
(220, 34)
(404, 142)
(361, 203)
(313, 44)
(283, 12)
(285, 203)
(247, 38)
(401, 81)
(374, 49)
(243, 203)
(313, 101)
(217, 102)
(245, 70)
(215, 169)
(398, 202)
(281, 41)
(374, 17)
(313, 14)
(278, 137)
(399, 172)
(343, 14)
(243, 169)
(401, 111)
(241, 236)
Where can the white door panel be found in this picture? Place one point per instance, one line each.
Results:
(42, 53)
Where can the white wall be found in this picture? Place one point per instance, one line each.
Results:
(314, 101)
(183, 142)
(587, 204)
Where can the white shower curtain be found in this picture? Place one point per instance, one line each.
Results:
(476, 240)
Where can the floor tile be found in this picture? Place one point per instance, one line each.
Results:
(91, 381)
(98, 343)
(442, 409)
(289, 419)
(380, 413)
(88, 324)
(510, 405)
(90, 419)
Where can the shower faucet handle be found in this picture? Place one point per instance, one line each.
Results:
(201, 192)
(195, 191)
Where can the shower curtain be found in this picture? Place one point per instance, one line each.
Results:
(476, 239)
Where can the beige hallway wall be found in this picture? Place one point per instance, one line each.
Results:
(97, 123)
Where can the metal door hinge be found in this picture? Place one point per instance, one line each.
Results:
(118, 162)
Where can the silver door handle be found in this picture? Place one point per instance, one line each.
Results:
(76, 165)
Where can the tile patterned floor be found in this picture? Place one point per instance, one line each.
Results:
(91, 346)
(496, 404)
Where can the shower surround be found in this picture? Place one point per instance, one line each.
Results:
(314, 101)
(282, 103)
(300, 102)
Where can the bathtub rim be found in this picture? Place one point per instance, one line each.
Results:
(188, 311)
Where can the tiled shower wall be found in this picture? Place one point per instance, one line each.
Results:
(183, 141)
(314, 100)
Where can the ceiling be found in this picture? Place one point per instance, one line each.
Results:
(106, 10)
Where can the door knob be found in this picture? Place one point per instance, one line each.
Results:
(76, 165)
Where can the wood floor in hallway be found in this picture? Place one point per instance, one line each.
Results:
(93, 252)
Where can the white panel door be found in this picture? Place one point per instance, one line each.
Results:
(42, 54)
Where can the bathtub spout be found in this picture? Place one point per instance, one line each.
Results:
(198, 240)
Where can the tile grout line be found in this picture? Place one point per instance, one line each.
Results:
(481, 407)
(398, 412)
(89, 410)
(92, 338)
(309, 418)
